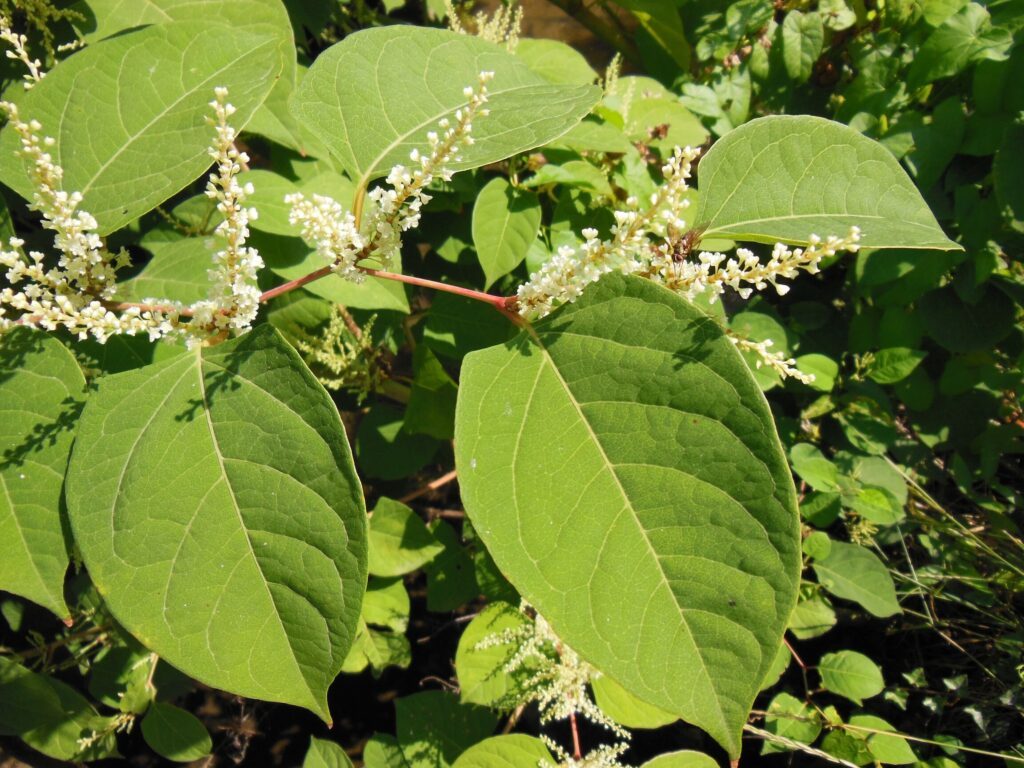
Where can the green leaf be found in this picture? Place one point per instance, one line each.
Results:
(890, 750)
(42, 390)
(399, 540)
(854, 573)
(175, 733)
(962, 39)
(49, 715)
(812, 618)
(515, 750)
(457, 325)
(803, 35)
(791, 718)
(851, 674)
(625, 708)
(622, 467)
(785, 178)
(386, 451)
(684, 128)
(968, 327)
(159, 81)
(481, 671)
(431, 409)
(813, 468)
(894, 364)
(178, 271)
(682, 759)
(386, 604)
(215, 504)
(505, 223)
(382, 751)
(325, 754)
(120, 679)
(373, 97)
(451, 578)
(555, 61)
(823, 368)
(433, 728)
(661, 20)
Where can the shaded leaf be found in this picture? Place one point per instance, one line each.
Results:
(175, 733)
(854, 573)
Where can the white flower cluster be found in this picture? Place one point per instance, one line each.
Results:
(777, 361)
(563, 277)
(20, 53)
(234, 298)
(397, 207)
(558, 680)
(714, 272)
(78, 293)
(630, 250)
(324, 222)
(75, 294)
(502, 27)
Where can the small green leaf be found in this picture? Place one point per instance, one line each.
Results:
(886, 749)
(372, 121)
(817, 545)
(515, 750)
(625, 708)
(791, 718)
(431, 409)
(786, 177)
(636, 460)
(505, 223)
(894, 364)
(386, 604)
(175, 733)
(803, 35)
(399, 540)
(854, 573)
(42, 391)
(433, 728)
(325, 754)
(451, 578)
(159, 80)
(812, 618)
(851, 674)
(213, 499)
(120, 679)
(813, 468)
(823, 368)
(50, 716)
(875, 504)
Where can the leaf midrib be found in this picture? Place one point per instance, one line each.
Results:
(629, 506)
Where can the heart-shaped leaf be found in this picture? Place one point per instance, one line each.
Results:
(622, 467)
(216, 507)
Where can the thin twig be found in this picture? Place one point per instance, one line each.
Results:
(433, 485)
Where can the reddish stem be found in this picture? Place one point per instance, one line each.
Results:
(577, 753)
(291, 285)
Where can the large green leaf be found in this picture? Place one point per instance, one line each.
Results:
(785, 178)
(129, 113)
(41, 394)
(620, 464)
(215, 504)
(373, 97)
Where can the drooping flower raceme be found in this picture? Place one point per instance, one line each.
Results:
(19, 52)
(397, 207)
